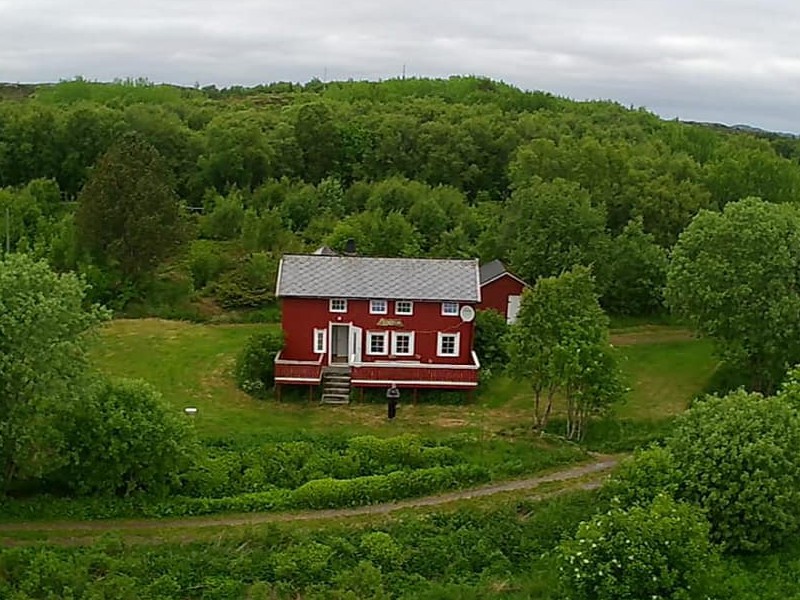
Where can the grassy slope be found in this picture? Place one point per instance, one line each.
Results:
(191, 366)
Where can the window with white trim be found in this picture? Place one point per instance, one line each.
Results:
(403, 343)
(378, 343)
(378, 307)
(337, 305)
(449, 344)
(403, 307)
(320, 341)
(450, 308)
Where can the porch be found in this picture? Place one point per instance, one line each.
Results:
(411, 374)
(407, 374)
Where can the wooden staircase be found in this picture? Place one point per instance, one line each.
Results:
(336, 385)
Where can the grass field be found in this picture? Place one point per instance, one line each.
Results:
(191, 365)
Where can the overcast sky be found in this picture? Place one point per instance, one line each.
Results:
(730, 61)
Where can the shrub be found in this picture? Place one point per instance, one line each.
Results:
(656, 551)
(224, 222)
(372, 489)
(122, 438)
(255, 365)
(380, 549)
(641, 478)
(739, 461)
(206, 263)
(250, 285)
(490, 332)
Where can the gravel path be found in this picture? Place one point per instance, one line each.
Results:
(602, 464)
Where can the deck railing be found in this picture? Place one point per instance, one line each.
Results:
(298, 371)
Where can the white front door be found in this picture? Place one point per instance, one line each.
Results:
(513, 309)
(356, 338)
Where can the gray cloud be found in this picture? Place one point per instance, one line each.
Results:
(731, 61)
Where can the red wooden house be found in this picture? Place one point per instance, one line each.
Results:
(371, 322)
(500, 290)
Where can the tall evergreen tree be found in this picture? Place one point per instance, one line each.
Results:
(128, 216)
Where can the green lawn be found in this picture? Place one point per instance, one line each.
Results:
(664, 377)
(191, 365)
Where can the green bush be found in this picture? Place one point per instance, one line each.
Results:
(373, 489)
(224, 221)
(206, 263)
(738, 460)
(639, 479)
(490, 343)
(249, 285)
(660, 550)
(122, 438)
(255, 365)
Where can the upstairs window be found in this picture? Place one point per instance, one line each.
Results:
(378, 307)
(377, 343)
(320, 339)
(404, 307)
(450, 308)
(448, 344)
(403, 343)
(337, 305)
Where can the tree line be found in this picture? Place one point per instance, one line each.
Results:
(177, 200)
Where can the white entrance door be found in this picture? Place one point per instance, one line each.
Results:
(513, 309)
(356, 338)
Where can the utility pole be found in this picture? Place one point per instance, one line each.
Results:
(404, 72)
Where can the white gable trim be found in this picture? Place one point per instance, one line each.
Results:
(504, 274)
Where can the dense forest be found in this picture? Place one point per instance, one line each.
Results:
(90, 175)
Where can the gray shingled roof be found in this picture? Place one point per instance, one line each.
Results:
(492, 270)
(319, 276)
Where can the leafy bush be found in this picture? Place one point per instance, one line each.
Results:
(739, 461)
(372, 489)
(206, 263)
(123, 438)
(249, 285)
(490, 346)
(224, 222)
(656, 551)
(641, 478)
(255, 365)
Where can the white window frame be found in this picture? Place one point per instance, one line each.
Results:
(446, 313)
(377, 334)
(320, 341)
(457, 345)
(410, 308)
(332, 309)
(375, 311)
(396, 335)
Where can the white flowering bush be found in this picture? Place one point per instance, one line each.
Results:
(657, 551)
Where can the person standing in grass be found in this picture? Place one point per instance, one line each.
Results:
(392, 399)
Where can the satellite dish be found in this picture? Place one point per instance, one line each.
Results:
(467, 314)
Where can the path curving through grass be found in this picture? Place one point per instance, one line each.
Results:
(601, 465)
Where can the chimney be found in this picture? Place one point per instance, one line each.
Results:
(350, 247)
